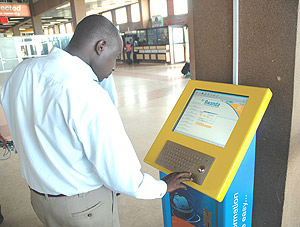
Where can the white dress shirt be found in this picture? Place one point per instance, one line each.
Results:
(108, 84)
(68, 133)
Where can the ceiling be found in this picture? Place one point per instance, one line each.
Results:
(63, 14)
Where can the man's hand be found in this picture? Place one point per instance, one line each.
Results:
(174, 180)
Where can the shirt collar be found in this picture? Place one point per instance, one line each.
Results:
(74, 60)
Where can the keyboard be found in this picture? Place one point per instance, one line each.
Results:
(178, 158)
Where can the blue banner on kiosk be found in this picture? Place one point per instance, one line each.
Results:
(192, 208)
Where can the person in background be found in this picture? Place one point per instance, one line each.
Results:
(135, 50)
(74, 151)
(128, 52)
(4, 141)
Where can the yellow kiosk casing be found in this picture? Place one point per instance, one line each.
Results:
(227, 159)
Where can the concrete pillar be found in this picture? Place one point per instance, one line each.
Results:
(145, 13)
(37, 25)
(128, 11)
(56, 29)
(170, 4)
(268, 57)
(292, 197)
(113, 16)
(211, 32)
(16, 30)
(78, 11)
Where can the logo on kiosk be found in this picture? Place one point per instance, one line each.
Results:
(211, 104)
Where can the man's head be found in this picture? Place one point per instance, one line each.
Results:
(97, 42)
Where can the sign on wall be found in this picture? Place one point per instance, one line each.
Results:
(14, 10)
(157, 21)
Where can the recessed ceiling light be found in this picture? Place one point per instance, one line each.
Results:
(62, 20)
(16, 18)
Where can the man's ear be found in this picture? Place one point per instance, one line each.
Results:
(100, 46)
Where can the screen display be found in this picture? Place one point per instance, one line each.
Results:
(210, 116)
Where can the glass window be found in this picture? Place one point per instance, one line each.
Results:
(152, 37)
(62, 29)
(162, 36)
(135, 12)
(121, 16)
(158, 7)
(107, 15)
(178, 35)
(180, 7)
(141, 34)
(69, 28)
(51, 32)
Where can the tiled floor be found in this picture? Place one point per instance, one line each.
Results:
(146, 94)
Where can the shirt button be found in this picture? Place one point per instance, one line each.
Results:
(90, 215)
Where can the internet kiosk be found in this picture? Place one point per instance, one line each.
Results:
(211, 133)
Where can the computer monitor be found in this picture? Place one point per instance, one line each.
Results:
(208, 133)
(210, 116)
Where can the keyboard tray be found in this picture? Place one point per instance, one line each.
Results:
(178, 158)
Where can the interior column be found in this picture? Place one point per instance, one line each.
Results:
(37, 25)
(267, 50)
(16, 31)
(78, 11)
(145, 13)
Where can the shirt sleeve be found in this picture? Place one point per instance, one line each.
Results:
(107, 146)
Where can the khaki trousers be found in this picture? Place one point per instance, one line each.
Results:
(94, 208)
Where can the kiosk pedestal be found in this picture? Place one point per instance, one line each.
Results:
(211, 133)
(192, 208)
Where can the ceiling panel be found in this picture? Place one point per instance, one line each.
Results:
(92, 7)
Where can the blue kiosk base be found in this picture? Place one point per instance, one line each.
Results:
(190, 208)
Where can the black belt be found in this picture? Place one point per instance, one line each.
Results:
(60, 195)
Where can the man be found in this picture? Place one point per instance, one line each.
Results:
(128, 52)
(75, 154)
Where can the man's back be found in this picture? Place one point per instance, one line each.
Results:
(41, 94)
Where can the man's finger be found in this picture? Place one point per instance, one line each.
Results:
(184, 174)
(185, 179)
(182, 186)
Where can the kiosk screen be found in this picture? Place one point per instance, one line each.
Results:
(210, 116)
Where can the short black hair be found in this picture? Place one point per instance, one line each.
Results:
(94, 28)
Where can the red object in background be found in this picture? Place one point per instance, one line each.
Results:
(3, 20)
